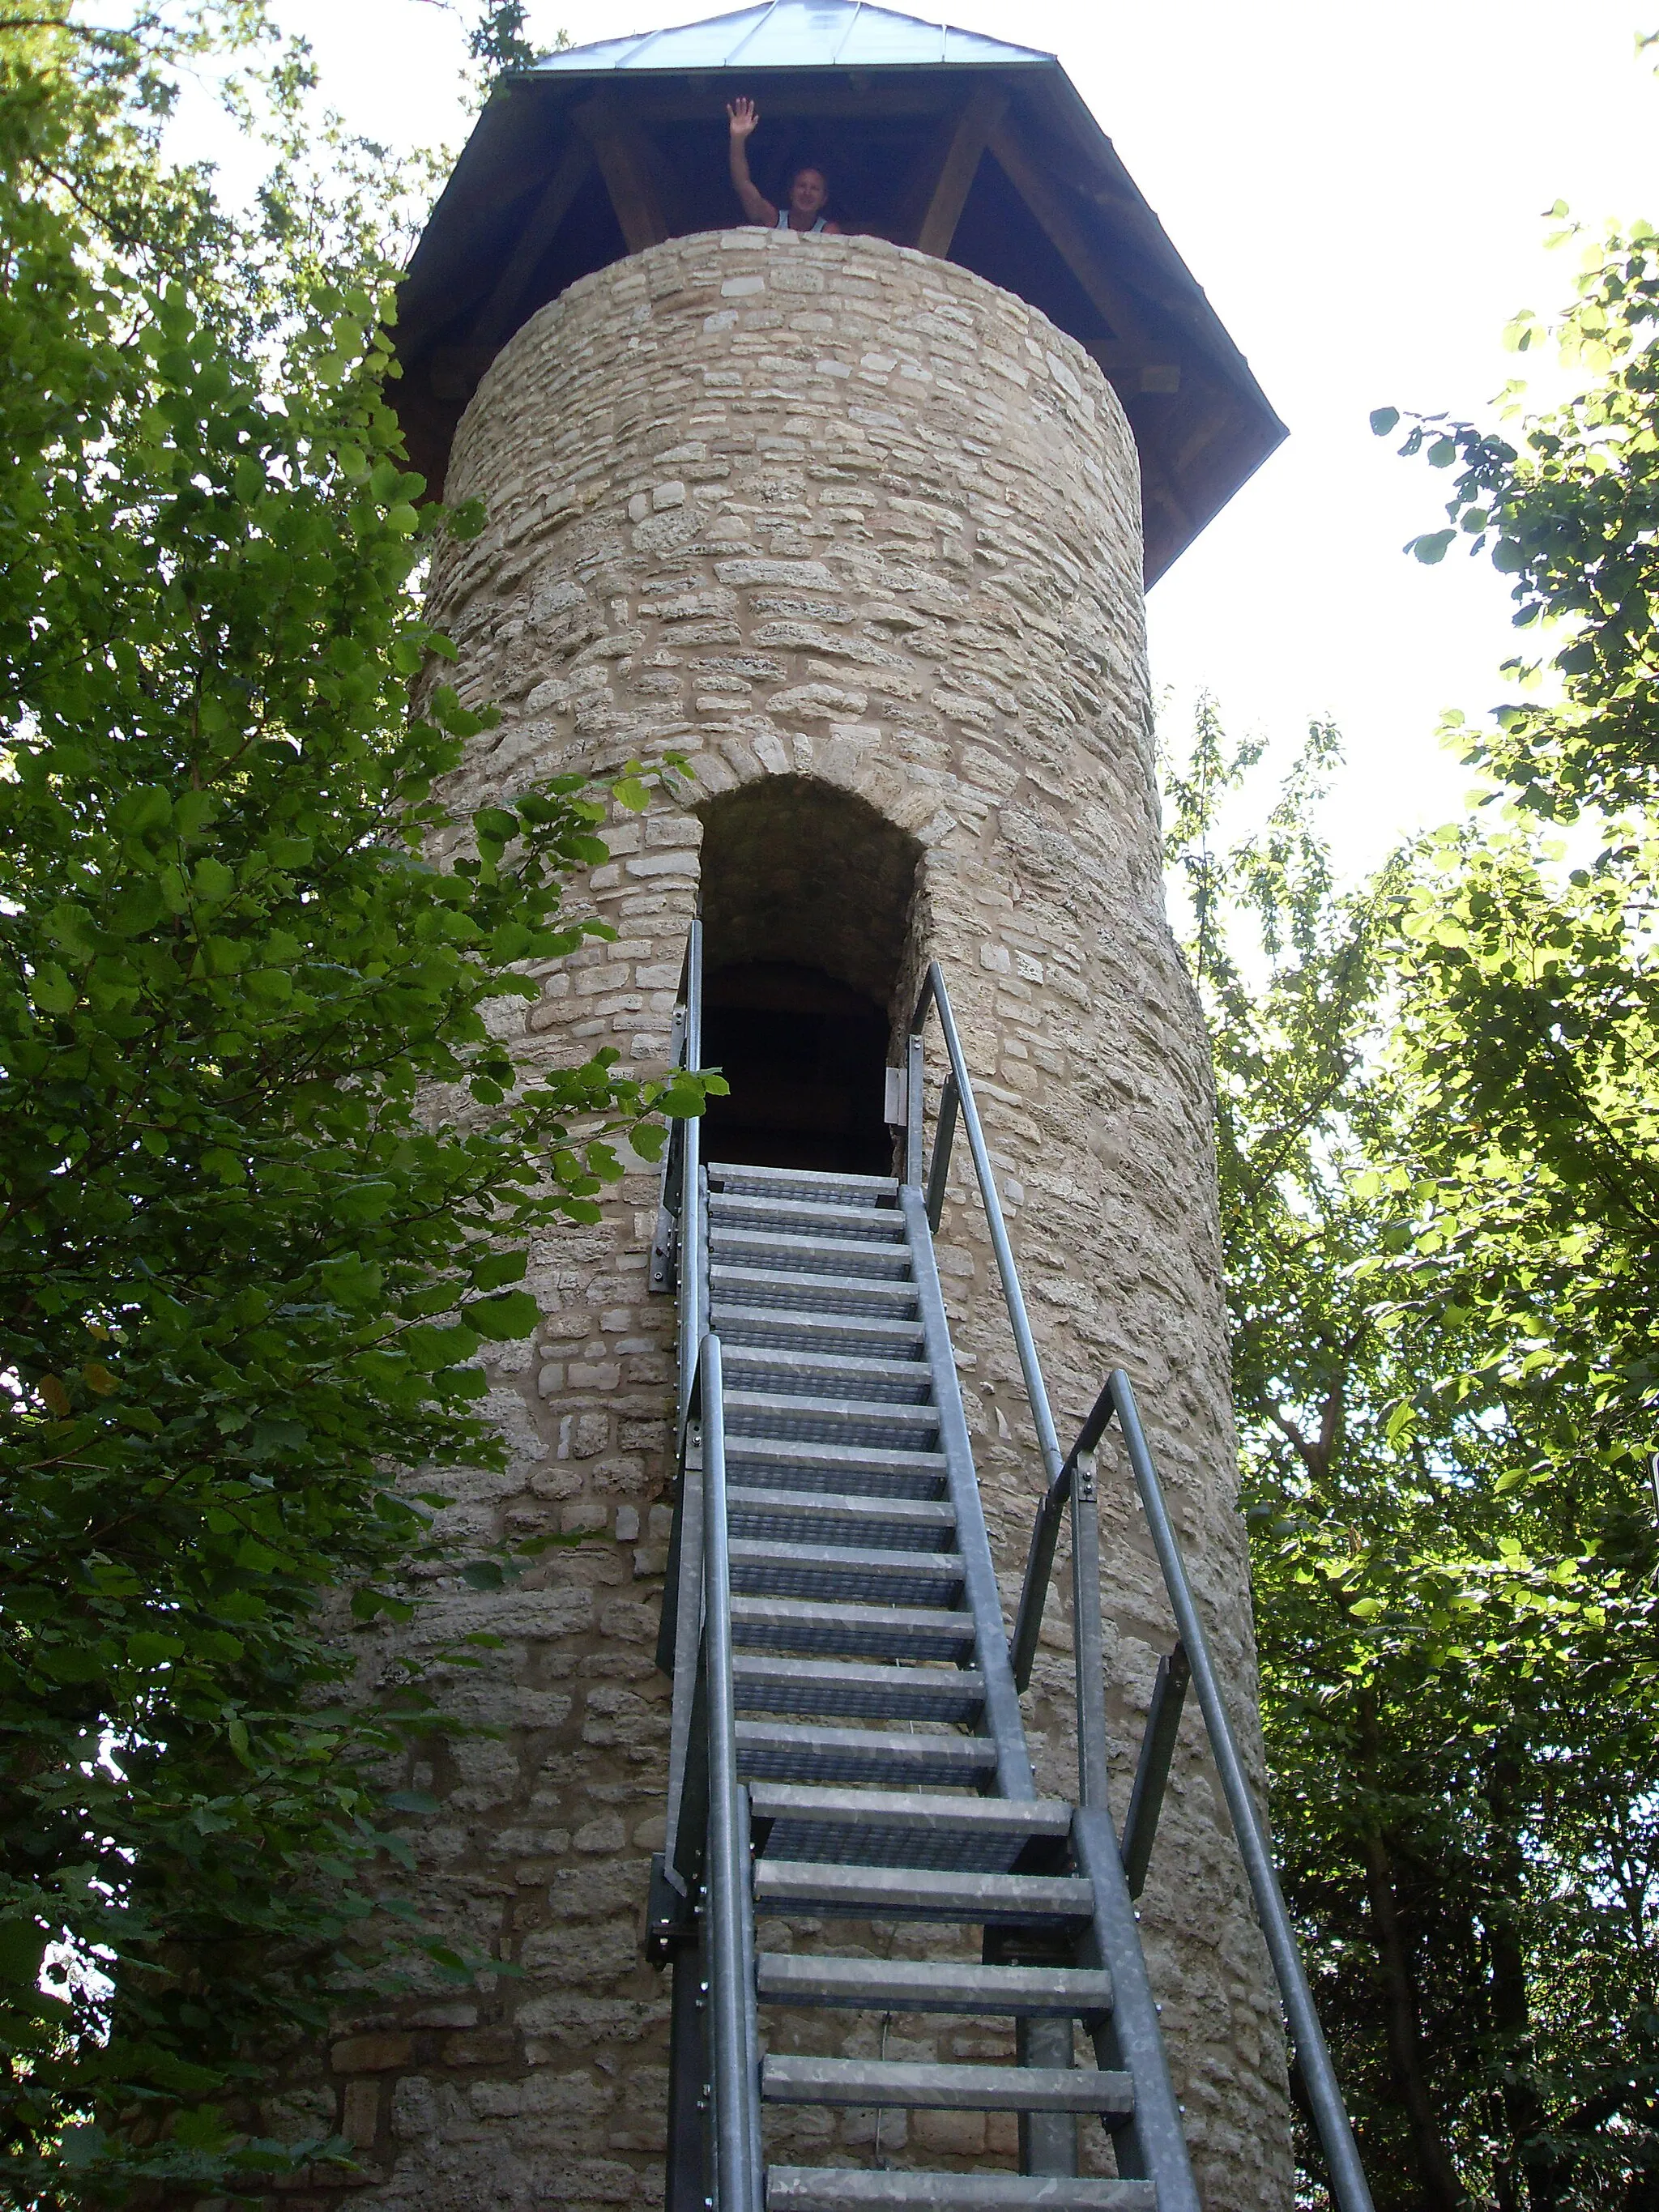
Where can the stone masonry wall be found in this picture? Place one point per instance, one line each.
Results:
(829, 510)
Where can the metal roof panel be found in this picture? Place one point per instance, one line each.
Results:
(792, 34)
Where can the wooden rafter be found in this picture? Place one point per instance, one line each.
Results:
(497, 317)
(1031, 180)
(624, 159)
(938, 189)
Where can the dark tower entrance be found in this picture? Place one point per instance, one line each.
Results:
(807, 896)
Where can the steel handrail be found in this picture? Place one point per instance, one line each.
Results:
(1347, 2176)
(1071, 1482)
(958, 1099)
(934, 993)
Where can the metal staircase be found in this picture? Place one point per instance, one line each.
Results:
(847, 1741)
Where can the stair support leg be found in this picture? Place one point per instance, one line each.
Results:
(687, 2187)
(1153, 2144)
(1048, 2141)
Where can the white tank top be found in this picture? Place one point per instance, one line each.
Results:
(783, 223)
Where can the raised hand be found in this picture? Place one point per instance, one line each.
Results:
(744, 118)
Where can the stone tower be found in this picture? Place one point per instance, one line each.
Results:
(858, 526)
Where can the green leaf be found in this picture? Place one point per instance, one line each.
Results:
(50, 990)
(22, 1950)
(513, 1315)
(1384, 420)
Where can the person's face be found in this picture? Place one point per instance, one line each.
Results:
(808, 193)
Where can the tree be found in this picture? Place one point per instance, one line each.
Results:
(1440, 1174)
(269, 1175)
(1452, 1563)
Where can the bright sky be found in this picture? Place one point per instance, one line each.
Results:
(1360, 193)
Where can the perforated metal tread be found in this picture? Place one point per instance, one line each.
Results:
(914, 1828)
(870, 1470)
(1024, 1820)
(781, 1751)
(852, 2189)
(886, 1262)
(842, 1687)
(864, 1631)
(830, 1420)
(800, 1372)
(870, 1336)
(866, 1574)
(905, 2085)
(754, 1284)
(820, 1217)
(926, 1893)
(930, 1986)
(831, 1517)
(733, 1174)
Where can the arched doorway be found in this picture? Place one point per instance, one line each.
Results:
(807, 896)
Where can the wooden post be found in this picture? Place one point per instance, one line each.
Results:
(495, 320)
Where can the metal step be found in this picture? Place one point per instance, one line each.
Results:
(753, 1284)
(901, 2085)
(813, 1216)
(765, 1462)
(774, 1750)
(852, 2189)
(809, 1255)
(741, 1326)
(910, 1892)
(906, 1986)
(826, 1517)
(830, 1420)
(844, 1189)
(806, 1373)
(833, 1686)
(866, 1575)
(891, 1827)
(863, 1631)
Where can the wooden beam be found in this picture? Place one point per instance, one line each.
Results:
(1047, 202)
(784, 96)
(625, 159)
(495, 320)
(1134, 369)
(953, 165)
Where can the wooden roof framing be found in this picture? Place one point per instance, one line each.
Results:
(991, 161)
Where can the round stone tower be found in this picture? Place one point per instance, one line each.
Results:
(858, 533)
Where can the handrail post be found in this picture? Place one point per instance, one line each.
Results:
(1086, 1644)
(938, 1175)
(1025, 1343)
(915, 1102)
(1348, 2183)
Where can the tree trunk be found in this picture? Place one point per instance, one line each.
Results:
(1511, 2010)
(1442, 2191)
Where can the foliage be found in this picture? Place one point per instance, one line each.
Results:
(1571, 511)
(1452, 1553)
(1440, 1173)
(270, 1173)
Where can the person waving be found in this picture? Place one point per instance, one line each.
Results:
(808, 188)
